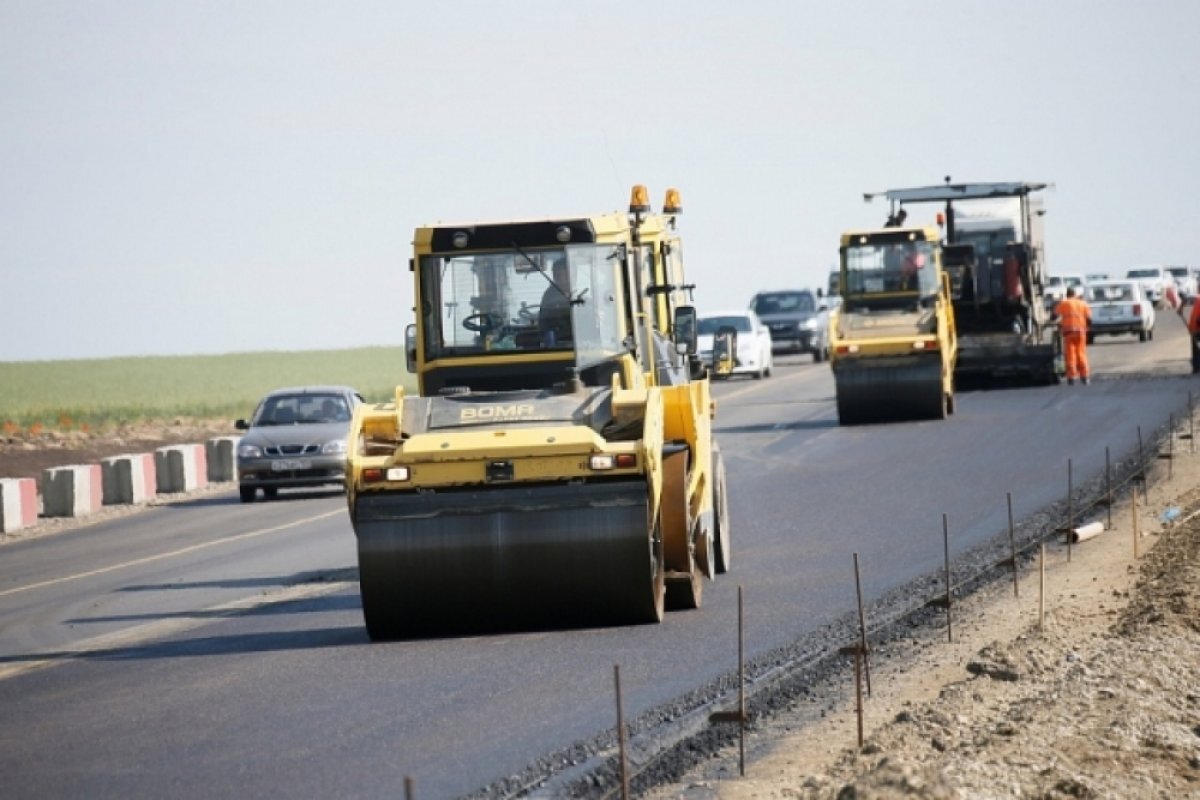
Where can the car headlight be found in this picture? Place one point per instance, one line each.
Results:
(335, 448)
(249, 451)
(810, 324)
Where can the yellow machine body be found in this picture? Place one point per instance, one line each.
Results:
(892, 339)
(547, 471)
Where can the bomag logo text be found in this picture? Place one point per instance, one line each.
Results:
(479, 413)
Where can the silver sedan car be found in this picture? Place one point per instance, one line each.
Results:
(295, 438)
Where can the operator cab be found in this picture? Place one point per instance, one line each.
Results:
(892, 269)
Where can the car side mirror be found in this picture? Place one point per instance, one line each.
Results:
(410, 347)
(683, 330)
(242, 425)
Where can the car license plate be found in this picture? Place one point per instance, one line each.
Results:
(289, 464)
(1110, 312)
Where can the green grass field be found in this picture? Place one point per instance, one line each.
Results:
(101, 393)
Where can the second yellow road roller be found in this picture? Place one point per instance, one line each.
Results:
(892, 338)
(557, 466)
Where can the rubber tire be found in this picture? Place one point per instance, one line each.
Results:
(247, 493)
(1091, 338)
(818, 355)
(1150, 334)
(1142, 336)
(270, 492)
(721, 539)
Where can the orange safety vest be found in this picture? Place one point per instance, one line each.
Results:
(1194, 321)
(1073, 314)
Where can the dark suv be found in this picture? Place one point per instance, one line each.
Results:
(798, 320)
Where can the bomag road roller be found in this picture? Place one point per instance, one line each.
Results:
(892, 338)
(557, 465)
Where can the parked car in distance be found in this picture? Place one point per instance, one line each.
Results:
(295, 438)
(798, 320)
(1057, 285)
(1120, 307)
(753, 355)
(1185, 282)
(1154, 280)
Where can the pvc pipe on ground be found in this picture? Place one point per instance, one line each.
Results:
(1085, 532)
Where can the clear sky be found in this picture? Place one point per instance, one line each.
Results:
(208, 177)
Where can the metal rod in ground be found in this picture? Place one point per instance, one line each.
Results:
(858, 695)
(409, 788)
(1170, 445)
(1133, 506)
(1012, 547)
(1070, 508)
(1141, 467)
(1191, 425)
(621, 761)
(862, 625)
(741, 687)
(1108, 485)
(946, 547)
(1042, 586)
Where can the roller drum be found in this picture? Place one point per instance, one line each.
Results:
(890, 389)
(505, 557)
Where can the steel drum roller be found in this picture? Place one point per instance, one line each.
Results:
(501, 556)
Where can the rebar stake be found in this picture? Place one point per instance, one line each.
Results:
(1136, 527)
(858, 696)
(738, 716)
(1170, 445)
(741, 687)
(1108, 486)
(1070, 508)
(1012, 547)
(621, 734)
(1042, 586)
(1191, 425)
(862, 625)
(946, 547)
(1141, 470)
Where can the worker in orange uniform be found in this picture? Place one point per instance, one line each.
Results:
(1193, 327)
(1073, 318)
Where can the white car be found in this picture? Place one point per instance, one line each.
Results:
(1120, 307)
(1057, 285)
(1185, 282)
(1154, 280)
(753, 341)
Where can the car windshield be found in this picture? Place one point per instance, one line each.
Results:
(1143, 273)
(1178, 272)
(709, 325)
(1110, 293)
(481, 304)
(301, 408)
(784, 303)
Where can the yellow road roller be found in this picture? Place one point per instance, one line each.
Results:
(557, 465)
(892, 338)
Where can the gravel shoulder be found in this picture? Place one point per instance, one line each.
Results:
(1096, 696)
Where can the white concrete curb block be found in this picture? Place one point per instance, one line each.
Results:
(180, 468)
(18, 503)
(72, 491)
(221, 453)
(129, 479)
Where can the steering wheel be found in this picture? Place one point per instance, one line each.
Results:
(483, 322)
